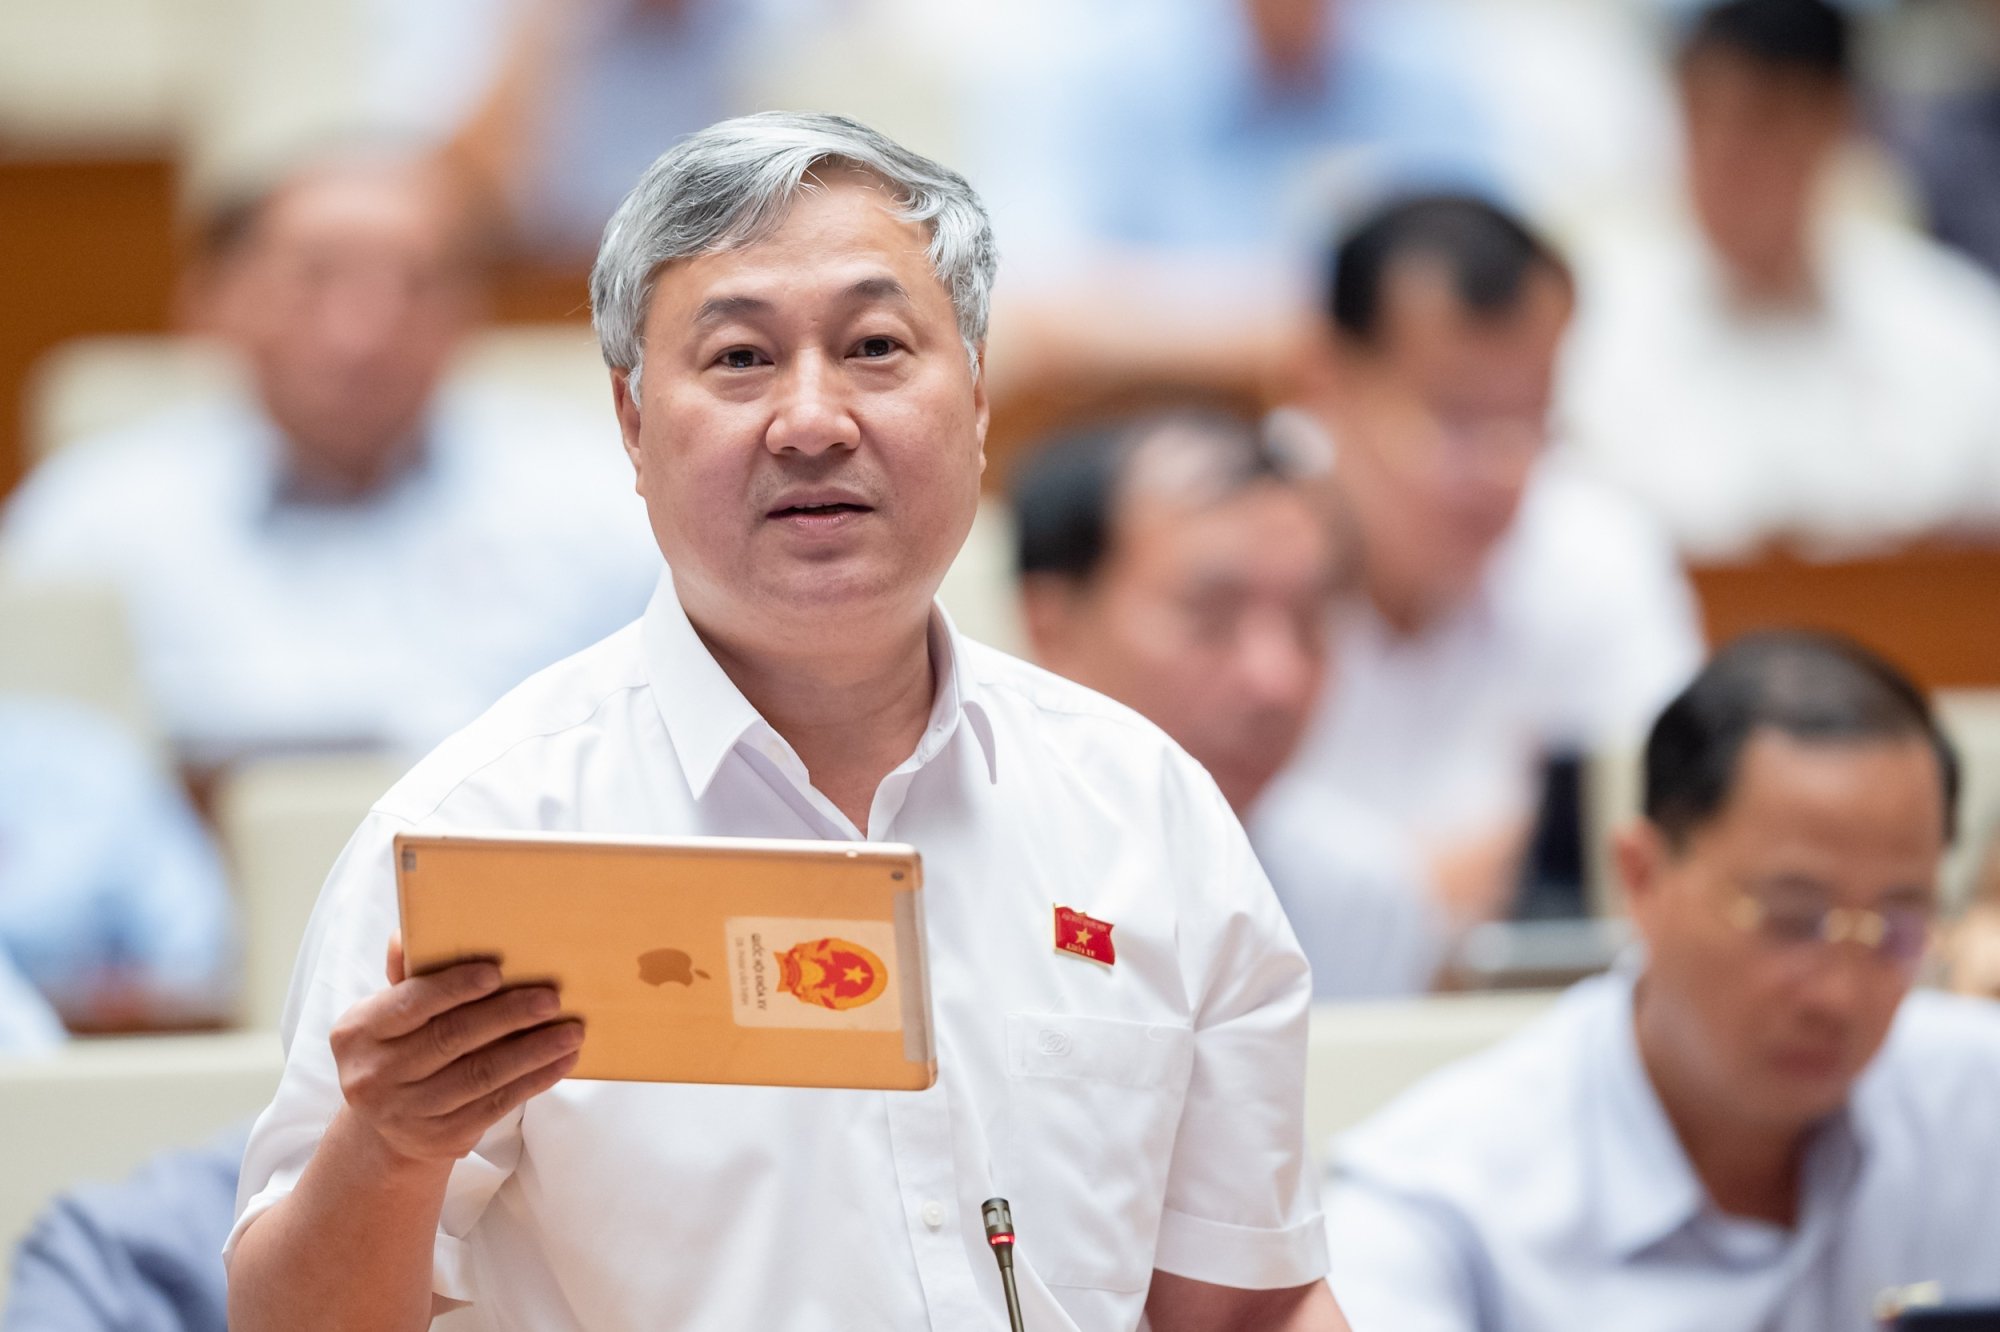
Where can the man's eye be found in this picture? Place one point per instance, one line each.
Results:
(1210, 620)
(737, 358)
(1906, 932)
(875, 348)
(1794, 923)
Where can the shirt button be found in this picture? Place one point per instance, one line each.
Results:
(934, 1215)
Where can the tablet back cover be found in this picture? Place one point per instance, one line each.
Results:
(694, 960)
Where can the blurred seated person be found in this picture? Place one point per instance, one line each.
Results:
(353, 554)
(1507, 610)
(1222, 128)
(1948, 137)
(1164, 174)
(1174, 563)
(141, 1255)
(1758, 1127)
(113, 902)
(1778, 369)
(583, 93)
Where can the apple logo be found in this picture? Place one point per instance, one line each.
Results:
(668, 964)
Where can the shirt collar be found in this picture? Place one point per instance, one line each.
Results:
(706, 715)
(1650, 1189)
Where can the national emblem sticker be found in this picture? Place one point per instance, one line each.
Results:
(827, 974)
(1084, 936)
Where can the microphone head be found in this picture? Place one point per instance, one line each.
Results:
(999, 1219)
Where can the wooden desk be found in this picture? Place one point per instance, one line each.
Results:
(1932, 609)
(86, 246)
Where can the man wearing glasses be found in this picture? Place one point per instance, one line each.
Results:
(1755, 1129)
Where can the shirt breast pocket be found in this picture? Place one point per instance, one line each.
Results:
(1093, 1106)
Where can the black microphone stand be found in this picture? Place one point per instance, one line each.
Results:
(999, 1219)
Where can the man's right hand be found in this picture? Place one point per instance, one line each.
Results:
(432, 1062)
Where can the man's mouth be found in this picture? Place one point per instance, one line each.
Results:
(819, 510)
(1813, 1061)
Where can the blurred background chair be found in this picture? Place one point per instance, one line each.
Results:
(71, 640)
(283, 821)
(98, 1108)
(90, 385)
(1362, 1055)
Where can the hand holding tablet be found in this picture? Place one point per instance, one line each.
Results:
(435, 1060)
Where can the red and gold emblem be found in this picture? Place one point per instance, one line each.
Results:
(832, 973)
(1084, 936)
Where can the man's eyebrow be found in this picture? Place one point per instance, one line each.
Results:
(1908, 894)
(722, 309)
(878, 289)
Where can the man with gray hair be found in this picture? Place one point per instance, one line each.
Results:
(793, 310)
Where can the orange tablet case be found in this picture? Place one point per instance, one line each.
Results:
(797, 964)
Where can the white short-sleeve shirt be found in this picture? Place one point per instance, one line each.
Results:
(1540, 1187)
(1868, 419)
(1139, 1115)
(1580, 628)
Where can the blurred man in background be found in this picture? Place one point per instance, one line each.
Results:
(1949, 132)
(1779, 368)
(1227, 130)
(1761, 1131)
(1175, 563)
(1165, 175)
(1508, 611)
(583, 92)
(350, 554)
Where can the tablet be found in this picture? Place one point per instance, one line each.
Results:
(794, 964)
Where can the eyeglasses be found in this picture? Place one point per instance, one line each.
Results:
(1898, 935)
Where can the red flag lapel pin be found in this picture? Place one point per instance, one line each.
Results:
(1084, 936)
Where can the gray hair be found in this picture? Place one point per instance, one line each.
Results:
(732, 183)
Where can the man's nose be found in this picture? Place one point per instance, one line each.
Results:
(1275, 667)
(1842, 982)
(813, 413)
(360, 320)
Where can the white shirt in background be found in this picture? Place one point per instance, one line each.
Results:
(1869, 420)
(1145, 1114)
(1580, 630)
(1539, 1187)
(264, 622)
(1359, 897)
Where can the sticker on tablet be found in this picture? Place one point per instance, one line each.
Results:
(835, 975)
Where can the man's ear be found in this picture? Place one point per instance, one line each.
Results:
(981, 406)
(625, 402)
(1640, 851)
(1327, 362)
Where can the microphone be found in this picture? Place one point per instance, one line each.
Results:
(999, 1219)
